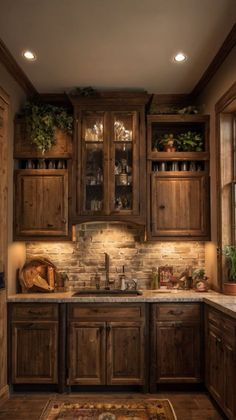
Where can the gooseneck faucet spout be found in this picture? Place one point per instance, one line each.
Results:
(107, 269)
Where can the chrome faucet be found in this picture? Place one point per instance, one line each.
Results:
(107, 269)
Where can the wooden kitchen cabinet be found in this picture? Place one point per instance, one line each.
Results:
(220, 361)
(179, 205)
(87, 353)
(178, 181)
(24, 148)
(41, 204)
(176, 344)
(110, 158)
(34, 343)
(106, 344)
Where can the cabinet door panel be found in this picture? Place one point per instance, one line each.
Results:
(229, 375)
(178, 205)
(178, 352)
(125, 353)
(215, 371)
(41, 205)
(87, 353)
(34, 356)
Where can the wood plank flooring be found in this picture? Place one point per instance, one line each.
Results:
(187, 406)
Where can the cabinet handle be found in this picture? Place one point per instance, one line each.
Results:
(35, 312)
(162, 207)
(172, 312)
(49, 225)
(64, 221)
(108, 328)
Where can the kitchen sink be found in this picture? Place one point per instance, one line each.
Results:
(105, 292)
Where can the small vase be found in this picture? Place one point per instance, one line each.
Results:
(229, 289)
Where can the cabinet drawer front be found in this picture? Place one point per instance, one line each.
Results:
(215, 318)
(180, 311)
(105, 312)
(33, 311)
(229, 331)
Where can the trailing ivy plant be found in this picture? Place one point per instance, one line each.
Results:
(42, 120)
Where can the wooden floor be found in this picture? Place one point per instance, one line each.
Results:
(187, 406)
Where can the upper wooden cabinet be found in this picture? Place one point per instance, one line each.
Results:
(179, 205)
(41, 204)
(110, 158)
(178, 178)
(24, 148)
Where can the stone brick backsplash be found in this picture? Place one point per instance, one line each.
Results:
(125, 245)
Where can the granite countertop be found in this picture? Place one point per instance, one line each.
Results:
(226, 304)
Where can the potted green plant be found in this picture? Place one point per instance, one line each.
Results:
(229, 251)
(200, 283)
(42, 121)
(189, 142)
(165, 142)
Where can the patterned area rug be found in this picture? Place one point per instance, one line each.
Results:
(119, 409)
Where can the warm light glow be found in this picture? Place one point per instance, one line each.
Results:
(29, 55)
(180, 57)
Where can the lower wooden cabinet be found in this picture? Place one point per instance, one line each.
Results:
(220, 339)
(176, 344)
(34, 338)
(106, 344)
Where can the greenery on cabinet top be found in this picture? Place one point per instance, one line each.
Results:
(42, 120)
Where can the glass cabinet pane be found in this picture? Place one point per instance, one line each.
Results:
(123, 136)
(93, 161)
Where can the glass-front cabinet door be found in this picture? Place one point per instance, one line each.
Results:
(93, 152)
(109, 162)
(124, 162)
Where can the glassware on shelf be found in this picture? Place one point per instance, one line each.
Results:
(122, 133)
(184, 166)
(94, 133)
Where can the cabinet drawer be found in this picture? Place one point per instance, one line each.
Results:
(31, 311)
(176, 312)
(105, 312)
(215, 318)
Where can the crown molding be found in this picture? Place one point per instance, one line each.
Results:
(15, 70)
(228, 44)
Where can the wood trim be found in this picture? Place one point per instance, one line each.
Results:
(221, 107)
(4, 96)
(228, 44)
(4, 393)
(228, 97)
(15, 70)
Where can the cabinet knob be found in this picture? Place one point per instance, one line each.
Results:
(162, 207)
(64, 221)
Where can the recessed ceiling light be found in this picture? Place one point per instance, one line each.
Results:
(180, 57)
(29, 55)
